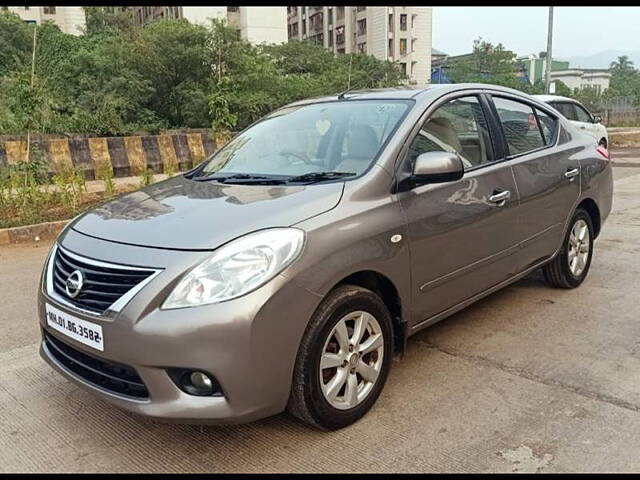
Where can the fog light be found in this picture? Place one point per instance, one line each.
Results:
(201, 382)
(195, 382)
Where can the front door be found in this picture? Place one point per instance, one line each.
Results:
(462, 234)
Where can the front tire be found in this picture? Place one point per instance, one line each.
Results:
(570, 266)
(343, 360)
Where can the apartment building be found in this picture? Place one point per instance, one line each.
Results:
(397, 34)
(70, 19)
(255, 24)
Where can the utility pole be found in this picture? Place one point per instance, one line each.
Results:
(33, 75)
(548, 58)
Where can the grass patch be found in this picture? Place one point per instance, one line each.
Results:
(27, 197)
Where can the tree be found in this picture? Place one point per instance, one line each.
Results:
(487, 63)
(173, 56)
(622, 64)
(109, 20)
(15, 42)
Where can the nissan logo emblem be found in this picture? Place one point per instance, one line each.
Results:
(74, 282)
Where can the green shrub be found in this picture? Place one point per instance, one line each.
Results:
(104, 172)
(146, 178)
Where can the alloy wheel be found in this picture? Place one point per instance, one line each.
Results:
(351, 360)
(578, 248)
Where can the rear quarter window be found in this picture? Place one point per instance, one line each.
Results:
(549, 126)
(520, 126)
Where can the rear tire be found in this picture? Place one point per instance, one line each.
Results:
(571, 265)
(343, 360)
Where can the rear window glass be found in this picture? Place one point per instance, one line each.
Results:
(519, 125)
(566, 109)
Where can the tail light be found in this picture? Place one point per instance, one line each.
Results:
(603, 151)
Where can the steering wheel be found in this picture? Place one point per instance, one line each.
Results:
(299, 156)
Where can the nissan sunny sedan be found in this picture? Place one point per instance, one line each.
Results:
(286, 270)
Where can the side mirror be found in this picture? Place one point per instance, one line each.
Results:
(597, 119)
(437, 167)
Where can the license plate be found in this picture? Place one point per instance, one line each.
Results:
(84, 332)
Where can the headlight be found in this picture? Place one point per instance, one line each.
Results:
(238, 268)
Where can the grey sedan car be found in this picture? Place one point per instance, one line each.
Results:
(285, 271)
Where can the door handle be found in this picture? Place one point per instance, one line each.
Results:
(571, 173)
(583, 127)
(500, 198)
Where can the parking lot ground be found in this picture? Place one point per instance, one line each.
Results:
(528, 379)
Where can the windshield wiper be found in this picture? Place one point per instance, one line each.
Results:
(312, 177)
(241, 178)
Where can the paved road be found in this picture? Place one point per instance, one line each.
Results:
(528, 379)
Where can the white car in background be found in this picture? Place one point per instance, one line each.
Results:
(579, 116)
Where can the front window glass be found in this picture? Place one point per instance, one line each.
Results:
(459, 126)
(342, 137)
(519, 125)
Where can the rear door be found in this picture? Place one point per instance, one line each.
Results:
(461, 233)
(585, 122)
(577, 115)
(546, 174)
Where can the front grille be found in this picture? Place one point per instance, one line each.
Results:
(102, 285)
(111, 376)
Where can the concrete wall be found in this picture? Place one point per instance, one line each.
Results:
(263, 24)
(126, 155)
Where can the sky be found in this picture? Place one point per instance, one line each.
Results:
(578, 31)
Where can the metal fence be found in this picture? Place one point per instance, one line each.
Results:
(619, 111)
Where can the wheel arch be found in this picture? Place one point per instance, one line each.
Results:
(384, 287)
(592, 209)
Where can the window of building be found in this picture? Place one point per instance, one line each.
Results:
(403, 22)
(390, 53)
(49, 10)
(360, 9)
(236, 9)
(331, 38)
(362, 47)
(520, 126)
(459, 126)
(340, 13)
(26, 8)
(330, 16)
(403, 68)
(403, 46)
(362, 26)
(391, 22)
(413, 45)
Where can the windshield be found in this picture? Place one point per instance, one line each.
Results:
(315, 142)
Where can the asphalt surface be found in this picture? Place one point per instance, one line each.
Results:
(530, 379)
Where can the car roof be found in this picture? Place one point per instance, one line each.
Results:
(408, 92)
(554, 98)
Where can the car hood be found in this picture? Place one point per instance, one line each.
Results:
(187, 215)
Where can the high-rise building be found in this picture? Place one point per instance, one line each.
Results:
(70, 19)
(255, 24)
(397, 34)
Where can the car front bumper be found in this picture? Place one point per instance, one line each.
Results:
(249, 344)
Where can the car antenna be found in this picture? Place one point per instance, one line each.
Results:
(341, 95)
